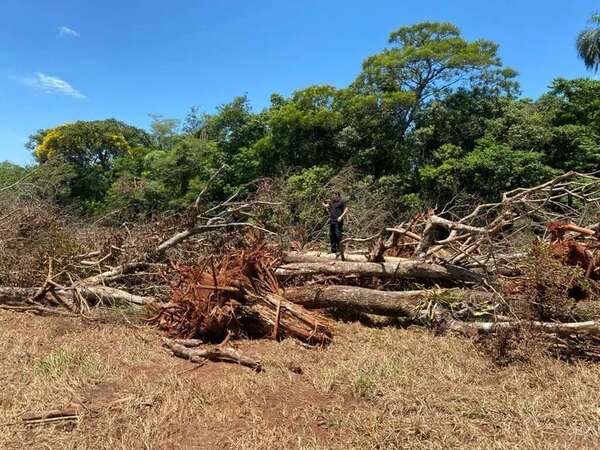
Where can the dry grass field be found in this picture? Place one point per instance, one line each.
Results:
(372, 388)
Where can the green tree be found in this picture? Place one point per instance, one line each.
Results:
(151, 179)
(302, 131)
(233, 127)
(11, 173)
(588, 44)
(164, 130)
(460, 119)
(90, 149)
(572, 110)
(426, 61)
(486, 172)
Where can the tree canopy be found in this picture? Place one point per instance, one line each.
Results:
(430, 118)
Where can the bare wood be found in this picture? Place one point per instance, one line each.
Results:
(403, 269)
(118, 272)
(405, 232)
(589, 328)
(114, 296)
(324, 257)
(183, 235)
(189, 342)
(293, 320)
(372, 301)
(14, 296)
(227, 354)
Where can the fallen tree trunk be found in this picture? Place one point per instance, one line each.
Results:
(52, 415)
(113, 296)
(589, 328)
(15, 296)
(403, 269)
(324, 257)
(372, 301)
(288, 319)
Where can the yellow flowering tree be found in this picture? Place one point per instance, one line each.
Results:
(90, 149)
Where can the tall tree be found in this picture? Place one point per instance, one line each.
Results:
(426, 61)
(302, 131)
(588, 44)
(89, 149)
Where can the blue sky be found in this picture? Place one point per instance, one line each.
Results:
(64, 60)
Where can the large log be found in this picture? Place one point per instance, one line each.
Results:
(324, 257)
(410, 269)
(371, 301)
(589, 328)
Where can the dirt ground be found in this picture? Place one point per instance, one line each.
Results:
(372, 388)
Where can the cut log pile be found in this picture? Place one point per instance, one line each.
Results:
(436, 270)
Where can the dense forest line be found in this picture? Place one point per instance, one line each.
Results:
(432, 118)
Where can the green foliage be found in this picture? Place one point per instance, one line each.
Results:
(304, 194)
(487, 171)
(426, 61)
(89, 149)
(302, 132)
(429, 118)
(152, 179)
(11, 173)
(164, 130)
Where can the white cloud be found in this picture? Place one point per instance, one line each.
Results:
(52, 85)
(66, 31)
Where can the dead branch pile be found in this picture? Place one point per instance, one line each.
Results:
(493, 280)
(474, 275)
(486, 237)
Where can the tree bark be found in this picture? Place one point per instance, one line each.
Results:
(410, 269)
(225, 354)
(372, 301)
(14, 296)
(323, 257)
(590, 328)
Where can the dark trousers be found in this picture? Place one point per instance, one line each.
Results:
(335, 235)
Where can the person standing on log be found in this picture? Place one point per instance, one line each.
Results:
(337, 209)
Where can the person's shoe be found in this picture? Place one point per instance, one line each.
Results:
(337, 255)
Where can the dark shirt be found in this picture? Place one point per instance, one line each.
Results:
(336, 208)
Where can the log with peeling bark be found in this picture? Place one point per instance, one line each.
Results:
(408, 269)
(15, 296)
(372, 301)
(589, 328)
(323, 257)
